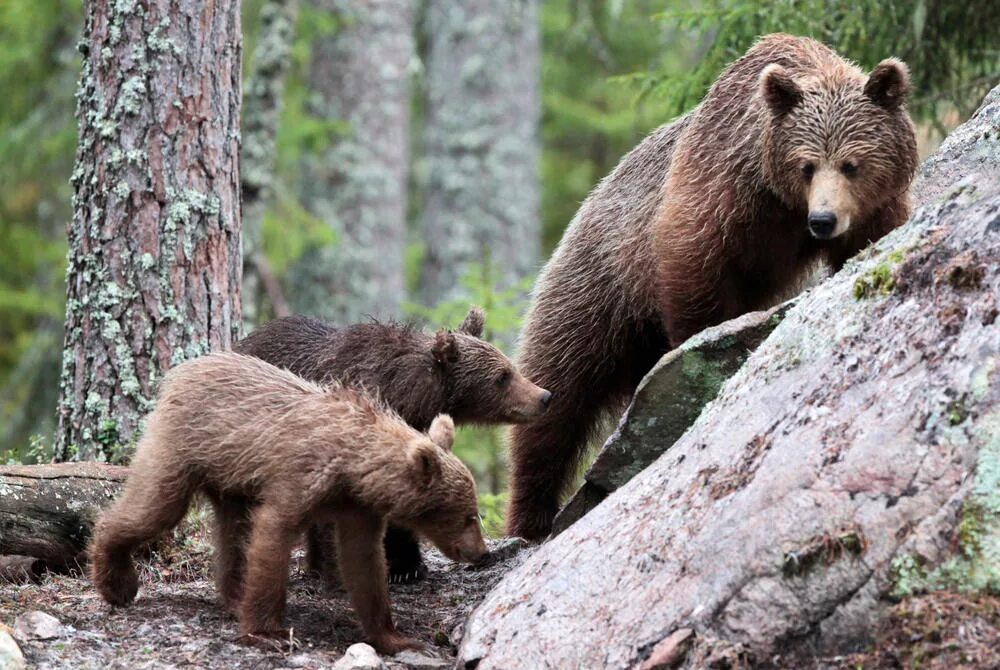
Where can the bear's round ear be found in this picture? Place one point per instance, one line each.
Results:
(473, 323)
(779, 89)
(445, 348)
(442, 431)
(426, 462)
(888, 84)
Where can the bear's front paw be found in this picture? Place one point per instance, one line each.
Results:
(119, 586)
(532, 522)
(393, 643)
(279, 639)
(408, 573)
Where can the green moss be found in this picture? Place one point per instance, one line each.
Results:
(957, 412)
(896, 256)
(975, 566)
(907, 575)
(877, 281)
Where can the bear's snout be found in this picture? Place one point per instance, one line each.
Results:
(526, 401)
(822, 224)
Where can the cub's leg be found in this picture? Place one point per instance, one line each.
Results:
(272, 535)
(232, 530)
(362, 567)
(154, 501)
(402, 551)
(321, 552)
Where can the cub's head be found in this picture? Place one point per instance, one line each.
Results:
(483, 385)
(840, 145)
(445, 510)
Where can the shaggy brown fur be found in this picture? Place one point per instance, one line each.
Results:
(419, 375)
(794, 156)
(275, 452)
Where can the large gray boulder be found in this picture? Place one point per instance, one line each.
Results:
(665, 404)
(854, 458)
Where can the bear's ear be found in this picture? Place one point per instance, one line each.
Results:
(779, 89)
(442, 431)
(473, 323)
(445, 349)
(889, 84)
(426, 462)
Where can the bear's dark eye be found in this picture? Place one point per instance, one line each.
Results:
(807, 170)
(504, 378)
(848, 168)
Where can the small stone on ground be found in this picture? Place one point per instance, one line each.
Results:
(37, 625)
(359, 656)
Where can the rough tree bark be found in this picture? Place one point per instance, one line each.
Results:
(853, 459)
(154, 244)
(265, 85)
(481, 143)
(357, 186)
(47, 511)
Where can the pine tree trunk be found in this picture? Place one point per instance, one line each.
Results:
(357, 185)
(481, 139)
(154, 244)
(265, 85)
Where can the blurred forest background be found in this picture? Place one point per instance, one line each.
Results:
(409, 159)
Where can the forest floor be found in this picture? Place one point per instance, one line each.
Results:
(177, 621)
(934, 631)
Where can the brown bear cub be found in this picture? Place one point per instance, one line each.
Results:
(418, 375)
(794, 156)
(274, 453)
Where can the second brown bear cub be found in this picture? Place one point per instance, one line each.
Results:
(419, 375)
(273, 453)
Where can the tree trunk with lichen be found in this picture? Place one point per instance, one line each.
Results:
(154, 261)
(359, 77)
(853, 460)
(481, 143)
(265, 85)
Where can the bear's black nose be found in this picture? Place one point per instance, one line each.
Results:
(822, 224)
(546, 397)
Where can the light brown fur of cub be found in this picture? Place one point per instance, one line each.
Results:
(275, 453)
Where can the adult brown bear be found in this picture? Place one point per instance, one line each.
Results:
(794, 156)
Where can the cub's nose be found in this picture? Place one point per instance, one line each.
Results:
(822, 224)
(545, 399)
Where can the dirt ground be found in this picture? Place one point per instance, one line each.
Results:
(936, 631)
(176, 620)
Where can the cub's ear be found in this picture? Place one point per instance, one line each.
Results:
(426, 462)
(473, 323)
(779, 90)
(889, 84)
(442, 431)
(445, 349)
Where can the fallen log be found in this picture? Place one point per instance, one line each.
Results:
(47, 512)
